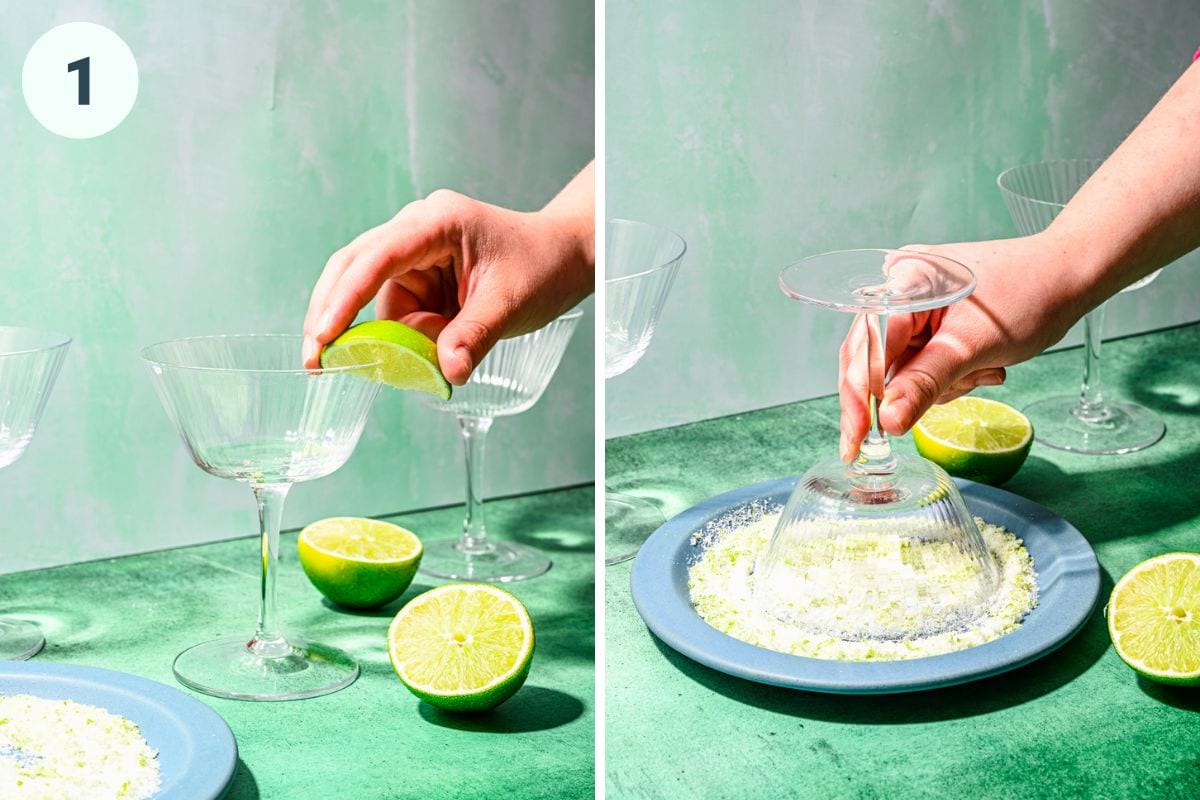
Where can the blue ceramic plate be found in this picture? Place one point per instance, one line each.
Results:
(1068, 583)
(197, 754)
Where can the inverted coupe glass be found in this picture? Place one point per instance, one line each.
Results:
(639, 269)
(246, 411)
(1086, 422)
(888, 530)
(29, 363)
(509, 380)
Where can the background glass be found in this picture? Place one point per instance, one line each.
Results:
(29, 363)
(640, 265)
(509, 380)
(1087, 422)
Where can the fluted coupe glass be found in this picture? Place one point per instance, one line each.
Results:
(29, 363)
(1087, 422)
(246, 411)
(889, 529)
(639, 268)
(509, 380)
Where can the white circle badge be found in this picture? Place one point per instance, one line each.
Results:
(80, 80)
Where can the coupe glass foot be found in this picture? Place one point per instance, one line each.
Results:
(628, 522)
(19, 640)
(1125, 428)
(230, 668)
(499, 562)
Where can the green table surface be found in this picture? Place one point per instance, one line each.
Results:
(1076, 723)
(372, 739)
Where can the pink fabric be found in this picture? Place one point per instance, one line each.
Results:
(1196, 55)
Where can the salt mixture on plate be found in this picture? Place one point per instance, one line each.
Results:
(54, 749)
(722, 582)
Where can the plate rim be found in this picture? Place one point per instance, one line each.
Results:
(205, 764)
(670, 617)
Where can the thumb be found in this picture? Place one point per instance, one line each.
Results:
(468, 337)
(919, 382)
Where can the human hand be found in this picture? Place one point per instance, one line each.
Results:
(463, 272)
(1026, 299)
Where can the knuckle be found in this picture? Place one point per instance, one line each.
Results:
(477, 332)
(924, 384)
(445, 202)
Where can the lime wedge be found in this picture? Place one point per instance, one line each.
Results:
(462, 646)
(408, 358)
(1154, 618)
(975, 438)
(357, 562)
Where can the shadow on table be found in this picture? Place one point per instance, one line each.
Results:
(568, 635)
(545, 522)
(533, 708)
(1119, 501)
(1167, 380)
(985, 696)
(66, 624)
(1186, 698)
(244, 787)
(388, 611)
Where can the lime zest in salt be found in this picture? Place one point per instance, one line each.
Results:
(722, 583)
(53, 749)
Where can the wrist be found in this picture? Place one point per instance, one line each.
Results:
(574, 233)
(1089, 267)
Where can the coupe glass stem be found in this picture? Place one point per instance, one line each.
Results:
(474, 433)
(268, 641)
(1091, 406)
(875, 456)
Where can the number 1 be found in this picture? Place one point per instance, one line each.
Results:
(83, 67)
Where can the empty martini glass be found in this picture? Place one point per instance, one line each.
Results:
(639, 268)
(1086, 422)
(247, 412)
(29, 363)
(888, 534)
(509, 380)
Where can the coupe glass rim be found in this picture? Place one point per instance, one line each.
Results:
(945, 301)
(145, 354)
(679, 241)
(1030, 165)
(57, 340)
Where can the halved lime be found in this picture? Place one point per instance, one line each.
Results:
(408, 358)
(1154, 618)
(357, 562)
(975, 438)
(462, 646)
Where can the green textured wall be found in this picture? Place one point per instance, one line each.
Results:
(784, 129)
(265, 136)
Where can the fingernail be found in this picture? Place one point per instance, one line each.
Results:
(464, 356)
(989, 380)
(309, 350)
(844, 447)
(325, 321)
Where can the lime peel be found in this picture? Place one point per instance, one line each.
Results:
(358, 562)
(975, 438)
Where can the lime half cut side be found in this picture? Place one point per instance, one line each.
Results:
(407, 358)
(1154, 618)
(975, 438)
(358, 562)
(462, 646)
